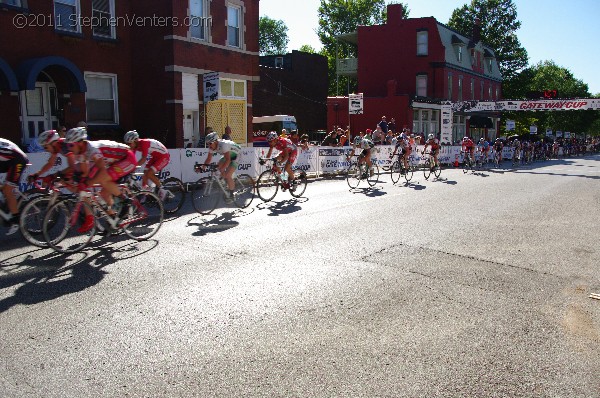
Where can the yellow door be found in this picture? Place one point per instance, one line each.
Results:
(232, 113)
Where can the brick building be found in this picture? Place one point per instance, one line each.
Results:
(121, 65)
(293, 84)
(407, 67)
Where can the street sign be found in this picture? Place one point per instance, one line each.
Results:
(211, 86)
(510, 125)
(532, 129)
(355, 105)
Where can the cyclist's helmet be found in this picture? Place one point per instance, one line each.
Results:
(431, 136)
(271, 136)
(76, 135)
(466, 139)
(403, 136)
(481, 139)
(48, 137)
(131, 136)
(210, 138)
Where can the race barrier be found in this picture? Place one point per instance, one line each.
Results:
(315, 161)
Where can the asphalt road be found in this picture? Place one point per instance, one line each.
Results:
(475, 285)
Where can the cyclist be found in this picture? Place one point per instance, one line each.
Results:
(516, 144)
(434, 143)
(365, 155)
(286, 157)
(159, 159)
(102, 162)
(12, 162)
(51, 141)
(498, 147)
(468, 147)
(484, 148)
(229, 151)
(401, 143)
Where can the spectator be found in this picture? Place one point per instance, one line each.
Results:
(301, 142)
(62, 130)
(227, 134)
(378, 136)
(283, 133)
(343, 136)
(392, 126)
(389, 137)
(383, 124)
(331, 139)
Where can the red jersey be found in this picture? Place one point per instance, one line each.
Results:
(468, 145)
(434, 143)
(284, 143)
(152, 147)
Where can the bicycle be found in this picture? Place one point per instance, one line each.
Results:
(269, 181)
(515, 157)
(498, 158)
(207, 190)
(175, 192)
(358, 172)
(468, 163)
(428, 170)
(22, 199)
(397, 170)
(32, 214)
(143, 218)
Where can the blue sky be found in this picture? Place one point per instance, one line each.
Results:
(566, 32)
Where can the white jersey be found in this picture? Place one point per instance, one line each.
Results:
(224, 146)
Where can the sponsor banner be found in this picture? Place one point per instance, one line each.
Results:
(549, 132)
(567, 134)
(446, 132)
(211, 86)
(510, 125)
(530, 105)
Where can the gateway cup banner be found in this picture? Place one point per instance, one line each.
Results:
(529, 105)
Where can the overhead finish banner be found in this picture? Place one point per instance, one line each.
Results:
(528, 105)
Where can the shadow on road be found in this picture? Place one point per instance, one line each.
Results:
(282, 207)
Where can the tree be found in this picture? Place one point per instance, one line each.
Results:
(272, 36)
(338, 17)
(499, 25)
(307, 48)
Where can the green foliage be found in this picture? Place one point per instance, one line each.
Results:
(272, 38)
(338, 17)
(499, 24)
(307, 48)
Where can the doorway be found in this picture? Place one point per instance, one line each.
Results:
(39, 110)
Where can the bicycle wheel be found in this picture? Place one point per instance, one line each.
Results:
(243, 194)
(373, 175)
(31, 220)
(409, 173)
(145, 217)
(176, 194)
(299, 186)
(437, 171)
(353, 175)
(395, 172)
(467, 165)
(205, 195)
(61, 224)
(267, 185)
(427, 169)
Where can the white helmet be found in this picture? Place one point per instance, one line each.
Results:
(131, 136)
(47, 137)
(430, 136)
(271, 136)
(76, 135)
(210, 138)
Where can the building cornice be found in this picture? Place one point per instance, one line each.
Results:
(208, 44)
(199, 71)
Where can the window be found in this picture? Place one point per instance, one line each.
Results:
(422, 46)
(497, 93)
(232, 89)
(481, 92)
(66, 15)
(199, 19)
(459, 53)
(460, 88)
(101, 99)
(450, 86)
(472, 89)
(459, 128)
(490, 92)
(233, 25)
(103, 12)
(421, 85)
(279, 62)
(490, 63)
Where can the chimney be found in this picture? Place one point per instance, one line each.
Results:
(394, 14)
(477, 31)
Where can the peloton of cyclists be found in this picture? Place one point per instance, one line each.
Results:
(101, 162)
